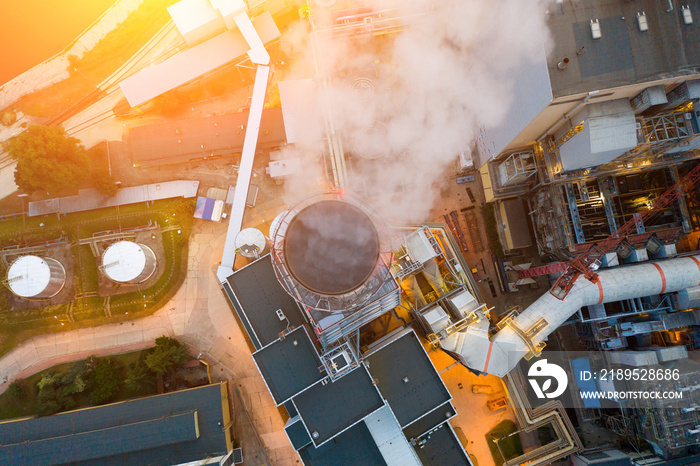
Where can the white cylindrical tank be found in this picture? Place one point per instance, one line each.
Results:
(36, 277)
(128, 262)
(250, 242)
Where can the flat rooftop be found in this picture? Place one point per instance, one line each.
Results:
(407, 379)
(327, 409)
(256, 296)
(442, 448)
(290, 365)
(354, 446)
(156, 430)
(624, 54)
(181, 140)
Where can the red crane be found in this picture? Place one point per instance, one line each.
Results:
(587, 263)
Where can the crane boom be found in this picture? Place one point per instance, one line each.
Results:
(587, 263)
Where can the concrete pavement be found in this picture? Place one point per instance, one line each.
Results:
(198, 314)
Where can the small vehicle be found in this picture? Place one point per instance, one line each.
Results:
(484, 389)
(497, 404)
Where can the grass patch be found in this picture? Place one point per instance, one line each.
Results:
(17, 326)
(87, 270)
(509, 446)
(487, 211)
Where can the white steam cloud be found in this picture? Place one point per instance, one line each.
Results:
(451, 69)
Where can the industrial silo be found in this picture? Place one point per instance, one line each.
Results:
(332, 254)
(128, 262)
(36, 277)
(251, 243)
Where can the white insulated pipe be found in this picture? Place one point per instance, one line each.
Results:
(501, 353)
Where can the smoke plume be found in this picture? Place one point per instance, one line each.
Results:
(407, 104)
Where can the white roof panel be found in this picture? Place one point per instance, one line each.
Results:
(194, 62)
(89, 199)
(188, 15)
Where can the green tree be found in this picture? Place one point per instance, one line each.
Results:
(138, 377)
(104, 182)
(51, 399)
(8, 118)
(49, 379)
(167, 354)
(47, 159)
(105, 381)
(18, 389)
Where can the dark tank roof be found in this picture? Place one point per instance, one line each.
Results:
(331, 247)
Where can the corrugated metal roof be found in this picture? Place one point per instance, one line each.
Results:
(97, 444)
(391, 442)
(194, 62)
(90, 199)
(125, 433)
(181, 140)
(609, 130)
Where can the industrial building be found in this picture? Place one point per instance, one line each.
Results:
(595, 139)
(36, 277)
(173, 428)
(201, 138)
(218, 33)
(353, 396)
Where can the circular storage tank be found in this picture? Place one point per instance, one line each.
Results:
(36, 277)
(128, 262)
(331, 247)
(250, 242)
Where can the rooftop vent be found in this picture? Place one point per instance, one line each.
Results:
(642, 21)
(687, 15)
(595, 29)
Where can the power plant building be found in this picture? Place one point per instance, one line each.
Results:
(607, 118)
(349, 401)
(390, 407)
(128, 262)
(36, 277)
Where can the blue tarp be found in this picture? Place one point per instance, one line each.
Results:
(204, 208)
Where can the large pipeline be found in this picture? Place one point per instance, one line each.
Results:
(501, 353)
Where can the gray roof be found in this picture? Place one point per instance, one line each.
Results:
(180, 140)
(424, 390)
(330, 408)
(153, 430)
(259, 295)
(354, 447)
(96, 444)
(290, 365)
(298, 435)
(624, 54)
(89, 199)
(430, 421)
(442, 448)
